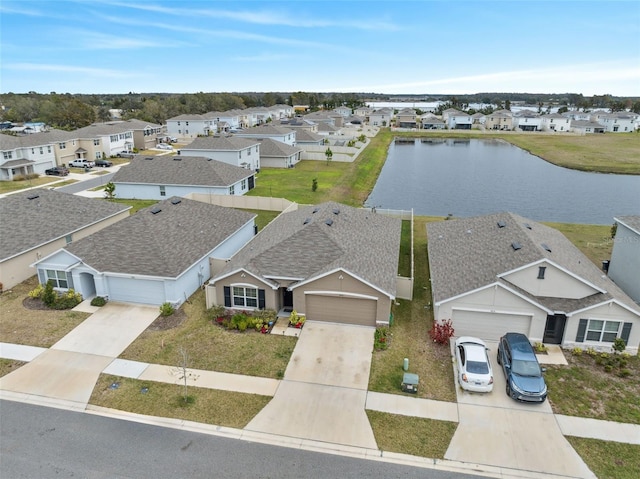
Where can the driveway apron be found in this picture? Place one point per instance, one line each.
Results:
(322, 396)
(69, 370)
(496, 430)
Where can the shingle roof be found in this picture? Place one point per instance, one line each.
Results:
(270, 147)
(163, 244)
(9, 142)
(361, 242)
(632, 222)
(266, 130)
(221, 143)
(191, 171)
(101, 129)
(327, 127)
(306, 136)
(470, 253)
(27, 224)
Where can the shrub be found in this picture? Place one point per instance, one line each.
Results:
(441, 331)
(576, 351)
(296, 320)
(592, 352)
(36, 292)
(98, 301)
(624, 373)
(619, 345)
(69, 299)
(167, 309)
(381, 339)
(49, 296)
(540, 347)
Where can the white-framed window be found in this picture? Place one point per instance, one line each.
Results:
(98, 155)
(69, 238)
(96, 142)
(41, 150)
(163, 191)
(232, 190)
(59, 278)
(49, 149)
(62, 145)
(243, 184)
(7, 155)
(245, 296)
(603, 331)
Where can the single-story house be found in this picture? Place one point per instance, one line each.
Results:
(624, 267)
(275, 154)
(430, 122)
(330, 262)
(306, 138)
(502, 272)
(162, 253)
(279, 133)
(35, 223)
(161, 177)
(232, 150)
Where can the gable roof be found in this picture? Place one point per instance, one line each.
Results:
(632, 222)
(271, 147)
(220, 143)
(306, 136)
(175, 170)
(265, 130)
(50, 215)
(164, 244)
(301, 245)
(471, 253)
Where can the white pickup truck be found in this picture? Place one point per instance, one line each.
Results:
(79, 163)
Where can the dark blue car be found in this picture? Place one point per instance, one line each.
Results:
(521, 368)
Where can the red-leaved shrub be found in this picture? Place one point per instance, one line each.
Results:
(441, 331)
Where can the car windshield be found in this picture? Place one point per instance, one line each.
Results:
(525, 368)
(477, 367)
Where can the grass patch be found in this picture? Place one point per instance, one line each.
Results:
(608, 460)
(411, 435)
(41, 328)
(135, 204)
(404, 265)
(584, 389)
(209, 406)
(9, 365)
(10, 186)
(264, 217)
(410, 338)
(211, 347)
(593, 240)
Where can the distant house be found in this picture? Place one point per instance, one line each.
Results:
(586, 126)
(502, 272)
(279, 133)
(618, 122)
(555, 122)
(431, 122)
(363, 111)
(36, 223)
(160, 254)
(24, 155)
(624, 268)
(298, 124)
(308, 138)
(381, 117)
(330, 262)
(457, 120)
(161, 177)
(276, 154)
(406, 118)
(95, 141)
(145, 135)
(526, 120)
(499, 120)
(326, 129)
(230, 119)
(191, 126)
(331, 118)
(232, 150)
(344, 111)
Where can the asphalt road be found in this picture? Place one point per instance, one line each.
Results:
(86, 184)
(44, 442)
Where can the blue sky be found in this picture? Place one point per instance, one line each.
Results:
(450, 47)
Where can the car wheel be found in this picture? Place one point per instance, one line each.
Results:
(508, 389)
(498, 358)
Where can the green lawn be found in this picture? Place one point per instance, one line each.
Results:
(10, 186)
(608, 460)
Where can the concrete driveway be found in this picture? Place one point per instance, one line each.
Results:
(69, 370)
(496, 430)
(322, 396)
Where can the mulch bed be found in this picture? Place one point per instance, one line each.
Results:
(34, 304)
(163, 323)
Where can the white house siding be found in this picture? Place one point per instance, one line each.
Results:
(624, 268)
(233, 157)
(153, 192)
(556, 282)
(43, 158)
(608, 311)
(495, 300)
(232, 245)
(189, 128)
(614, 124)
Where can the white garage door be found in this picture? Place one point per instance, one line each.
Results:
(136, 291)
(489, 326)
(342, 309)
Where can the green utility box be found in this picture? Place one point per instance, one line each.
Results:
(410, 383)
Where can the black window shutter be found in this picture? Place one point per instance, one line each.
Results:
(261, 301)
(626, 332)
(227, 296)
(582, 329)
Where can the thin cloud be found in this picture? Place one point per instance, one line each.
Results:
(64, 69)
(101, 41)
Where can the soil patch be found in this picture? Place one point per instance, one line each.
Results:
(35, 304)
(163, 323)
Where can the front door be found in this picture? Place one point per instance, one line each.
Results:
(554, 328)
(287, 299)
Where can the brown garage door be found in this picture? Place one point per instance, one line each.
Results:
(340, 309)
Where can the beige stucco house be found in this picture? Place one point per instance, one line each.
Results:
(329, 262)
(500, 273)
(36, 223)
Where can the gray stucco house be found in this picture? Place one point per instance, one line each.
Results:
(161, 177)
(502, 272)
(35, 223)
(624, 267)
(330, 262)
(163, 253)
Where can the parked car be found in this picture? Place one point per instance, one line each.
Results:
(173, 139)
(164, 146)
(474, 367)
(521, 368)
(78, 163)
(103, 163)
(126, 154)
(57, 171)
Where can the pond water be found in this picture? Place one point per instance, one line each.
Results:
(477, 177)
